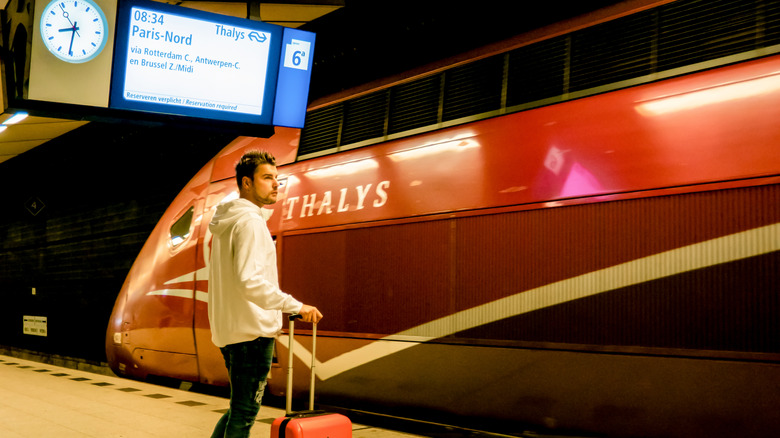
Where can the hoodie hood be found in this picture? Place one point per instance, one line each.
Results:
(229, 213)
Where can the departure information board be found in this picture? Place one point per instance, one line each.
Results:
(180, 61)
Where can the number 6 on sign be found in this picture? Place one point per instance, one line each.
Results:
(296, 54)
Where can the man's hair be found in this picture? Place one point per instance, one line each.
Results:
(249, 163)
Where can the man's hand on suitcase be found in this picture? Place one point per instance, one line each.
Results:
(310, 314)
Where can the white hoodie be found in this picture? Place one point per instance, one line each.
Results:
(244, 298)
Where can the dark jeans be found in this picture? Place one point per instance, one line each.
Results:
(248, 364)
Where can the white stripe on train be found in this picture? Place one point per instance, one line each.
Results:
(700, 255)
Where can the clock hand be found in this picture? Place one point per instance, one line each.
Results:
(67, 17)
(70, 29)
(70, 49)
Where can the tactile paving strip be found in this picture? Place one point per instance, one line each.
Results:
(129, 389)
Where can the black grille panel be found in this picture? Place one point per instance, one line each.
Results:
(701, 30)
(537, 71)
(415, 104)
(322, 130)
(769, 22)
(473, 88)
(612, 52)
(591, 60)
(365, 118)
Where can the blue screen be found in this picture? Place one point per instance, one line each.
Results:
(292, 92)
(181, 61)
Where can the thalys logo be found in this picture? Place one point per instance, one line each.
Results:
(346, 199)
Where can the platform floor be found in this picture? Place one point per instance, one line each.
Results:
(41, 400)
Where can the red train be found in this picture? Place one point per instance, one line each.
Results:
(606, 264)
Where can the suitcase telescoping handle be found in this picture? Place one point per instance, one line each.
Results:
(288, 393)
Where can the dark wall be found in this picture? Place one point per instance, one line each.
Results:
(103, 187)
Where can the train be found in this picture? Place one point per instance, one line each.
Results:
(603, 260)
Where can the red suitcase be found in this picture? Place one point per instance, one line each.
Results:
(311, 423)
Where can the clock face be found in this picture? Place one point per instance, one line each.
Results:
(74, 30)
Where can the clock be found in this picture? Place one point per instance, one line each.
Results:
(74, 30)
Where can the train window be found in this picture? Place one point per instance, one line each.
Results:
(180, 230)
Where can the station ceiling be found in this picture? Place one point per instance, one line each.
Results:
(358, 41)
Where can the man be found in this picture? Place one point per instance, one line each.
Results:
(245, 302)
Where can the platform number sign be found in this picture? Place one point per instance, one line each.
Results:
(296, 54)
(34, 205)
(292, 89)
